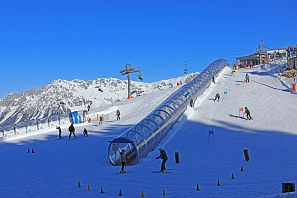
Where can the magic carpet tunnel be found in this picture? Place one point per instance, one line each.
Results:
(146, 135)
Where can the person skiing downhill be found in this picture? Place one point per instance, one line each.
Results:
(164, 158)
(248, 113)
(217, 96)
(118, 114)
(123, 161)
(191, 102)
(71, 131)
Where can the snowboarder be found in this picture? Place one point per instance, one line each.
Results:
(123, 161)
(85, 132)
(60, 132)
(217, 96)
(247, 78)
(248, 113)
(71, 131)
(118, 114)
(164, 158)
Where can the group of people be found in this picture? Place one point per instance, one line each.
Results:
(162, 156)
(71, 130)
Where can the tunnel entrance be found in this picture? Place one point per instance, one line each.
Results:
(115, 148)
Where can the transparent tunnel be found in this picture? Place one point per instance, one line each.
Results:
(146, 135)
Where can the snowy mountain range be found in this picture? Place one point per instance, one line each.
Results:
(62, 96)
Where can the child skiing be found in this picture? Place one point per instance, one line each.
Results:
(247, 78)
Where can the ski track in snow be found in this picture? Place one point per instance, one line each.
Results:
(57, 166)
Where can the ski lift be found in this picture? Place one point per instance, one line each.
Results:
(140, 76)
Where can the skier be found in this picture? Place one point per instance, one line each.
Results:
(123, 161)
(213, 79)
(118, 114)
(164, 158)
(191, 102)
(60, 132)
(85, 132)
(71, 131)
(248, 113)
(89, 107)
(101, 120)
(247, 78)
(217, 96)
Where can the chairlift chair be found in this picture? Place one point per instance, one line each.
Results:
(140, 76)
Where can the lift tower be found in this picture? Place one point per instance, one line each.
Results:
(127, 71)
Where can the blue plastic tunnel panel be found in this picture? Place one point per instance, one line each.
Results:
(146, 135)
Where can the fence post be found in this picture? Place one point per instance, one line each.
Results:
(177, 159)
(246, 155)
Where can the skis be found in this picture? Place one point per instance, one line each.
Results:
(161, 172)
(124, 172)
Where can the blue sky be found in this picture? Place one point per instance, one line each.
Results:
(41, 41)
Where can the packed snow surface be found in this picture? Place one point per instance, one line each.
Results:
(57, 166)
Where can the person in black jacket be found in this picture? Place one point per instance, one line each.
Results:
(71, 131)
(118, 114)
(60, 132)
(248, 113)
(85, 132)
(164, 158)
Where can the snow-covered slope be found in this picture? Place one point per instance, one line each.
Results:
(57, 166)
(61, 96)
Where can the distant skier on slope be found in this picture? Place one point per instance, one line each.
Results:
(248, 113)
(71, 131)
(85, 132)
(164, 158)
(217, 96)
(118, 114)
(247, 78)
(191, 102)
(60, 132)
